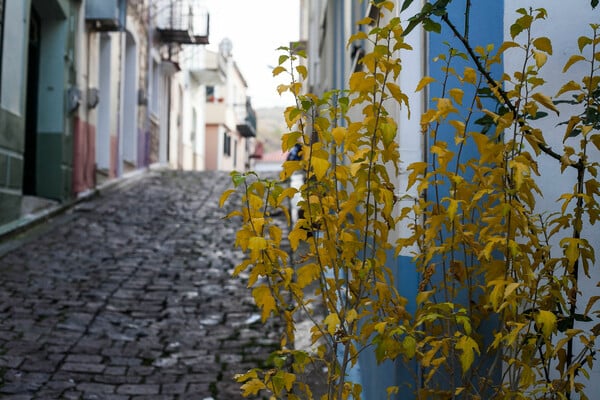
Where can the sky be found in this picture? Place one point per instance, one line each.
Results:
(256, 29)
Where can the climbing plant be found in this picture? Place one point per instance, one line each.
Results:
(499, 309)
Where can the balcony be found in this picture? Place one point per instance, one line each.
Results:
(182, 22)
(247, 126)
(106, 15)
(207, 67)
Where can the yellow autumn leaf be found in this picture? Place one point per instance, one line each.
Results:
(571, 250)
(252, 387)
(302, 70)
(423, 296)
(257, 243)
(332, 321)
(568, 87)
(457, 95)
(288, 168)
(380, 327)
(225, 196)
(468, 347)
(452, 208)
(426, 80)
(540, 58)
(285, 194)
(360, 82)
(397, 94)
(543, 44)
(338, 133)
(278, 70)
(351, 316)
(264, 300)
(288, 380)
(572, 60)
(307, 273)
(595, 139)
(545, 101)
(546, 322)
(282, 88)
(445, 107)
(470, 75)
(409, 344)
(320, 167)
(295, 236)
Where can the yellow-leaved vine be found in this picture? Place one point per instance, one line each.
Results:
(499, 302)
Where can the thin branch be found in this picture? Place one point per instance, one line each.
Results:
(546, 149)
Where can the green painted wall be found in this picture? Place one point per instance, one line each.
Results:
(54, 151)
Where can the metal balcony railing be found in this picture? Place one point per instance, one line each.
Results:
(247, 126)
(182, 21)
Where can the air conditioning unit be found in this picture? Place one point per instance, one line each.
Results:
(106, 15)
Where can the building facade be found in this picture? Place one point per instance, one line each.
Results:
(91, 90)
(231, 120)
(326, 27)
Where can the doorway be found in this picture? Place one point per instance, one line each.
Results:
(31, 106)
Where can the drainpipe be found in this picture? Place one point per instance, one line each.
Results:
(149, 67)
(2, 37)
(87, 108)
(121, 103)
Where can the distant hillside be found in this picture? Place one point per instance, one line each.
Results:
(270, 125)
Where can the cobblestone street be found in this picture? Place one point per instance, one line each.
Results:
(129, 295)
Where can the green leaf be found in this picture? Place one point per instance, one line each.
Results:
(406, 4)
(283, 58)
(431, 26)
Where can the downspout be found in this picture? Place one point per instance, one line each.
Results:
(121, 103)
(87, 109)
(3, 16)
(149, 67)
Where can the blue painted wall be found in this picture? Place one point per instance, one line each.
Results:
(486, 27)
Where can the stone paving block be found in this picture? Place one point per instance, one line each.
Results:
(118, 379)
(122, 281)
(83, 367)
(139, 389)
(7, 361)
(17, 397)
(173, 388)
(89, 387)
(84, 358)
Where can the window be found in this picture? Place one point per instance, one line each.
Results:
(210, 94)
(235, 153)
(226, 144)
(155, 88)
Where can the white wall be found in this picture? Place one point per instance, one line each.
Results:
(13, 66)
(566, 22)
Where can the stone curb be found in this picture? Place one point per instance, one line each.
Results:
(12, 230)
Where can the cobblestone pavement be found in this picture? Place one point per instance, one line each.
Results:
(129, 296)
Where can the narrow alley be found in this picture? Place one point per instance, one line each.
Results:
(129, 295)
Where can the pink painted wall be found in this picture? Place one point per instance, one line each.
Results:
(84, 156)
(213, 149)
